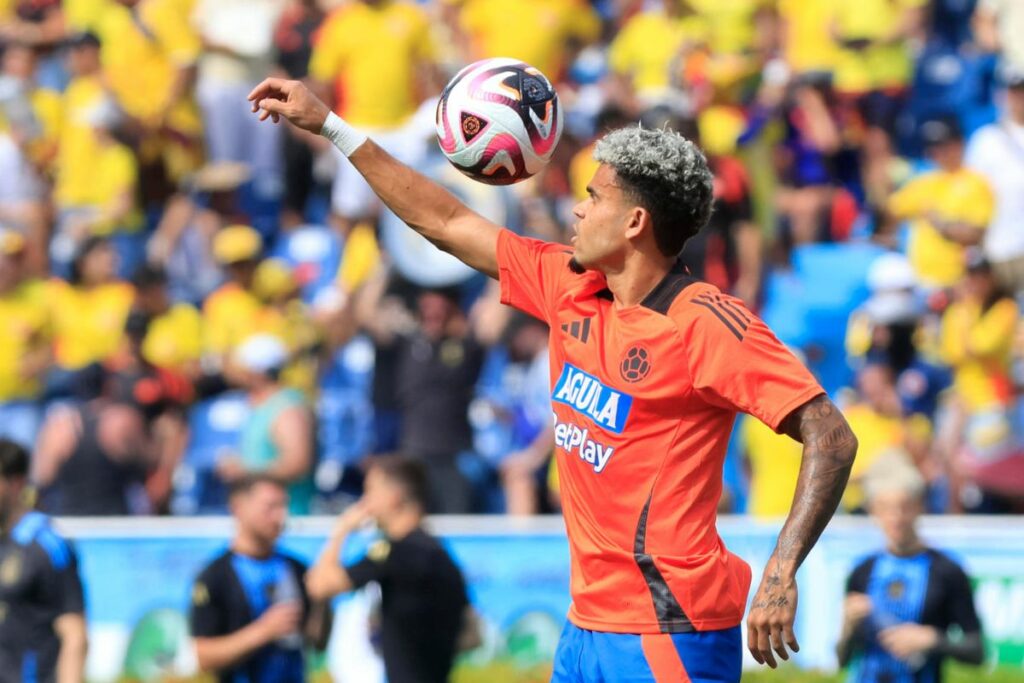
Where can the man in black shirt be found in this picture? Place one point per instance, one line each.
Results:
(901, 603)
(251, 616)
(426, 378)
(424, 608)
(42, 622)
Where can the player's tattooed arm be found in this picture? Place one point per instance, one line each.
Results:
(829, 450)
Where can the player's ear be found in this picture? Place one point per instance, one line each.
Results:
(637, 220)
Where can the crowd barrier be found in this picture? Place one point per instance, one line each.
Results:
(138, 571)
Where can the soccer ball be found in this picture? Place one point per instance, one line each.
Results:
(498, 121)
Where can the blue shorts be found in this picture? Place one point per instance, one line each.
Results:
(592, 657)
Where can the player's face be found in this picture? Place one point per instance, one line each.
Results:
(382, 496)
(896, 512)
(263, 511)
(602, 220)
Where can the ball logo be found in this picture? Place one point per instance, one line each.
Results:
(471, 126)
(636, 364)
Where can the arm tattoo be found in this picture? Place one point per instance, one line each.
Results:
(829, 449)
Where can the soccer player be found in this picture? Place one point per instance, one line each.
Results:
(902, 602)
(251, 617)
(649, 368)
(42, 622)
(424, 607)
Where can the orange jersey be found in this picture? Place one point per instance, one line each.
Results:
(644, 400)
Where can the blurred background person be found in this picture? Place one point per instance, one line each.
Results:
(374, 60)
(232, 312)
(902, 603)
(950, 207)
(183, 241)
(95, 174)
(278, 436)
(643, 52)
(251, 618)
(26, 351)
(42, 628)
(997, 152)
(29, 119)
(293, 40)
(421, 629)
(90, 310)
(546, 34)
(173, 338)
(877, 419)
(978, 337)
(237, 39)
(149, 54)
(94, 455)
(436, 366)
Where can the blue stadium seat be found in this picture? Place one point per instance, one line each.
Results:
(214, 429)
(314, 252)
(808, 307)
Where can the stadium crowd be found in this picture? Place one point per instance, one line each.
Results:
(187, 296)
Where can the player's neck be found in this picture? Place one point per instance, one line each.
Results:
(401, 524)
(906, 548)
(638, 275)
(250, 546)
(8, 523)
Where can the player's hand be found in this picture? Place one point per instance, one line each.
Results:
(907, 640)
(770, 622)
(276, 97)
(280, 619)
(230, 468)
(856, 608)
(354, 516)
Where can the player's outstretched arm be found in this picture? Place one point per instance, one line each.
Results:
(829, 450)
(425, 206)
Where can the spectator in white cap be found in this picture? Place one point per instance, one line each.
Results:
(997, 152)
(882, 328)
(278, 436)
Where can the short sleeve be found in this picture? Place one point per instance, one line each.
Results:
(532, 273)
(207, 617)
(978, 212)
(584, 22)
(61, 585)
(857, 582)
(910, 199)
(174, 32)
(376, 566)
(424, 45)
(737, 362)
(620, 53)
(324, 62)
(959, 600)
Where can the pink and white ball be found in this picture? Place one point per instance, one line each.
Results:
(498, 121)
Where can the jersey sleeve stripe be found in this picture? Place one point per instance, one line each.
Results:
(730, 306)
(734, 311)
(721, 317)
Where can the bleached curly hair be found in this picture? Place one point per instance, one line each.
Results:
(664, 173)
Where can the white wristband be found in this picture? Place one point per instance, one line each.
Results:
(345, 137)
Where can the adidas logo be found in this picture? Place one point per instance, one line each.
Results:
(578, 329)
